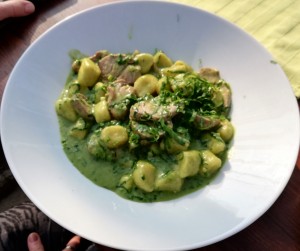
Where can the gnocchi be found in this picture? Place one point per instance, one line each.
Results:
(143, 125)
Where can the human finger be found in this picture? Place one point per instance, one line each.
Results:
(15, 8)
(72, 244)
(34, 242)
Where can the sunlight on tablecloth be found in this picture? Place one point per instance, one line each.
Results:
(274, 23)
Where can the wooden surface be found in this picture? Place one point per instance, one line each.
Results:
(277, 229)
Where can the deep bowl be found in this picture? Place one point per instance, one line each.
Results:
(264, 113)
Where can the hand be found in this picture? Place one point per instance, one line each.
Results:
(15, 8)
(34, 243)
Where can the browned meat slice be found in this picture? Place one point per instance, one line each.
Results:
(146, 132)
(205, 122)
(150, 110)
(82, 107)
(118, 99)
(110, 66)
(226, 94)
(129, 75)
(117, 92)
(98, 55)
(210, 74)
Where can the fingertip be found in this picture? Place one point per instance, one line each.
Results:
(74, 241)
(15, 8)
(33, 237)
(29, 8)
(34, 242)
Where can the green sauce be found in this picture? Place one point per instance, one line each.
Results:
(107, 174)
(145, 158)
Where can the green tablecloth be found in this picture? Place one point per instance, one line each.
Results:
(274, 23)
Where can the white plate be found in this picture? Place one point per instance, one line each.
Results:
(265, 115)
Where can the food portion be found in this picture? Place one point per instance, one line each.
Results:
(145, 126)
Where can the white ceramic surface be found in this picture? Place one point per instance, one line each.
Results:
(265, 115)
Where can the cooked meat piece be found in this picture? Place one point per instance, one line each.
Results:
(226, 94)
(98, 55)
(210, 74)
(147, 132)
(117, 92)
(82, 107)
(110, 66)
(118, 99)
(205, 122)
(150, 110)
(129, 75)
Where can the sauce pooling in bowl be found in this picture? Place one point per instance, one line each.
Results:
(145, 126)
